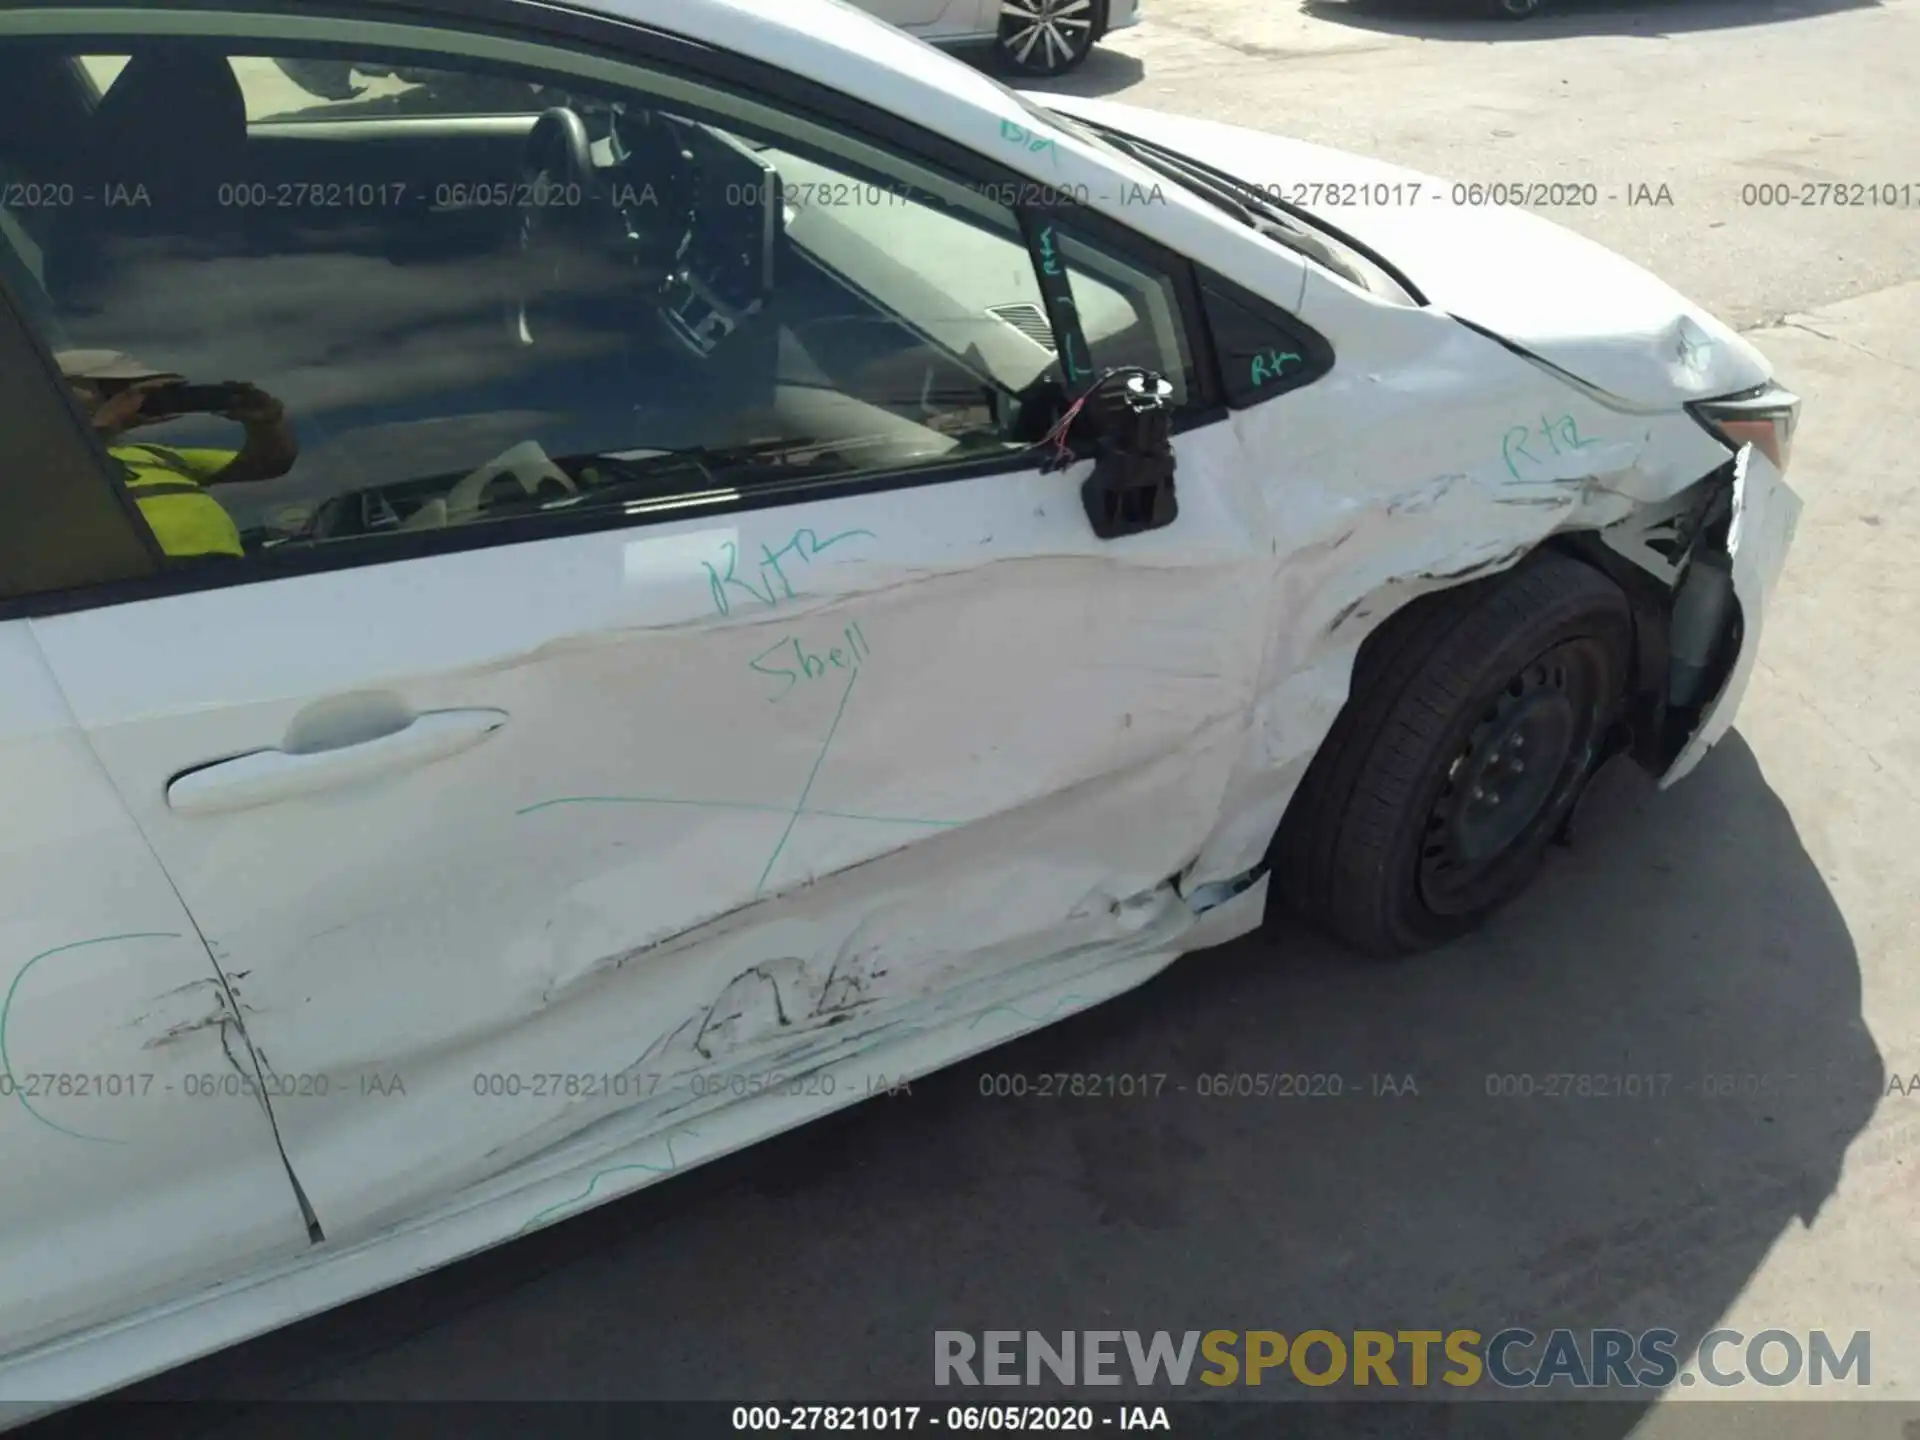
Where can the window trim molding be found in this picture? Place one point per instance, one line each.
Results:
(1206, 400)
(364, 552)
(605, 38)
(1321, 357)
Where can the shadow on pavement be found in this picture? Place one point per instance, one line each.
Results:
(1469, 20)
(1686, 937)
(1105, 72)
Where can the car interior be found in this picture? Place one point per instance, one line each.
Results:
(483, 294)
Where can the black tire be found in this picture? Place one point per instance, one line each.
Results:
(1024, 49)
(1390, 844)
(1514, 9)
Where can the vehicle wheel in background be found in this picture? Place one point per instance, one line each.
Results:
(1047, 37)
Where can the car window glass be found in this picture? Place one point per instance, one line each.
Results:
(292, 88)
(29, 210)
(325, 87)
(1128, 316)
(457, 324)
(659, 290)
(103, 70)
(20, 250)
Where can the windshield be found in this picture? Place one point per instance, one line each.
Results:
(1250, 203)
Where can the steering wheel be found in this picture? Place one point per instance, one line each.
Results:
(555, 181)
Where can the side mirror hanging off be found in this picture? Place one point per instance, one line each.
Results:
(1131, 488)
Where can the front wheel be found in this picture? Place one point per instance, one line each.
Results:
(1475, 718)
(1046, 37)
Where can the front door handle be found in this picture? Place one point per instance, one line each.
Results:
(264, 776)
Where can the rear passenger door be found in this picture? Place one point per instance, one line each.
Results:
(138, 1163)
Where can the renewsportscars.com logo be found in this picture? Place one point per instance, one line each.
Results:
(1512, 1358)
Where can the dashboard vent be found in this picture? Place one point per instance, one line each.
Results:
(1029, 320)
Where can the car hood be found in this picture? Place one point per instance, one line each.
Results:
(1537, 285)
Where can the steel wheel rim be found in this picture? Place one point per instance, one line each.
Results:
(1513, 777)
(1056, 24)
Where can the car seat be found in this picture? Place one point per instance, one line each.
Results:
(168, 135)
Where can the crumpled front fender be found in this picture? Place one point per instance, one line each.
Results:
(1766, 513)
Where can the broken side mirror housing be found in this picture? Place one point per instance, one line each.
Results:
(1131, 488)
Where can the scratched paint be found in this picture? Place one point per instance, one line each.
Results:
(791, 663)
(761, 809)
(812, 667)
(15, 1087)
(821, 1078)
(800, 805)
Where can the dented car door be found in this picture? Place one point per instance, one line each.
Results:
(666, 777)
(136, 1160)
(634, 824)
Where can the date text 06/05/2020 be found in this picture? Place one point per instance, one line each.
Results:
(784, 1419)
(1214, 1085)
(640, 1085)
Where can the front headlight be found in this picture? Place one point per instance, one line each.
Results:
(1763, 418)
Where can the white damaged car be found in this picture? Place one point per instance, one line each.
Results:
(545, 640)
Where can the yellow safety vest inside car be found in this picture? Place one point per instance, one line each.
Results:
(166, 484)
